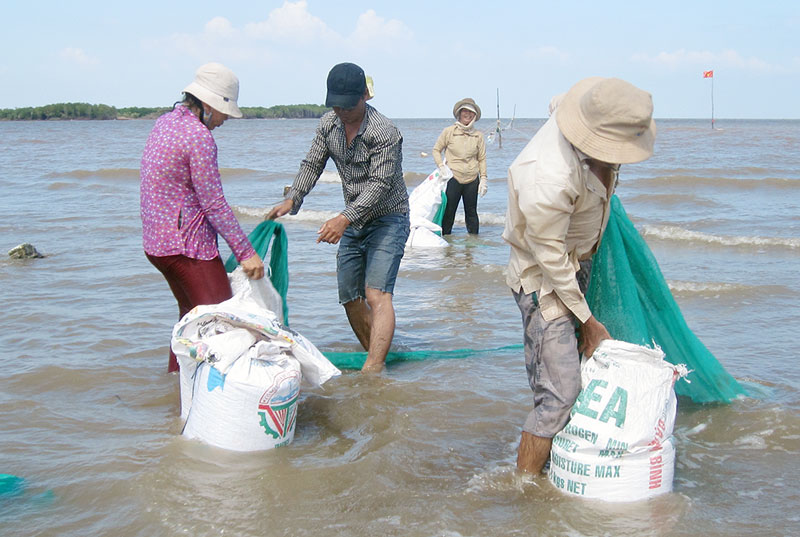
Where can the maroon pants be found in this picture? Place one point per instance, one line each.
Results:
(193, 282)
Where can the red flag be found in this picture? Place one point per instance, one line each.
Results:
(708, 74)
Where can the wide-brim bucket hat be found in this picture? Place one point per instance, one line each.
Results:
(609, 119)
(218, 87)
(469, 104)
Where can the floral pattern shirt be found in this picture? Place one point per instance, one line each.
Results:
(182, 203)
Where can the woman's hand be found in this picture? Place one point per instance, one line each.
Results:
(280, 209)
(253, 267)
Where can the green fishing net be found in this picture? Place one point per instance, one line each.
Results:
(265, 233)
(628, 294)
(355, 360)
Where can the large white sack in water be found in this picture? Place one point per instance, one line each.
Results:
(253, 407)
(236, 352)
(618, 444)
(193, 337)
(257, 292)
(425, 199)
(422, 237)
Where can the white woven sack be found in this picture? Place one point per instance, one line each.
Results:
(228, 346)
(422, 237)
(253, 407)
(618, 444)
(260, 292)
(425, 199)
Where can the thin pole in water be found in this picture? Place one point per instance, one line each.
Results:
(497, 129)
(710, 74)
(712, 101)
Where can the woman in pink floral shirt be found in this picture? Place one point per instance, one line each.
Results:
(182, 204)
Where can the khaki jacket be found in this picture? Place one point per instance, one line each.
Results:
(557, 213)
(465, 153)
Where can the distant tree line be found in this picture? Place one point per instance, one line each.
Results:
(103, 111)
(61, 111)
(288, 111)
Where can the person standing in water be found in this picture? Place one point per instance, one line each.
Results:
(183, 207)
(373, 227)
(559, 190)
(465, 153)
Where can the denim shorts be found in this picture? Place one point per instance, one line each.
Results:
(370, 256)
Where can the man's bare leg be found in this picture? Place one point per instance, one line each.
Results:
(382, 322)
(533, 453)
(359, 315)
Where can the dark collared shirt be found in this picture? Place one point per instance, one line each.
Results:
(370, 167)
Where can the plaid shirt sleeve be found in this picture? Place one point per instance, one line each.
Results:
(311, 168)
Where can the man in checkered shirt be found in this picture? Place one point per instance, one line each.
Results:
(373, 227)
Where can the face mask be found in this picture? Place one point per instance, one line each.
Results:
(207, 117)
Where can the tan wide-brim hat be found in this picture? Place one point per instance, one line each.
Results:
(469, 104)
(218, 87)
(608, 119)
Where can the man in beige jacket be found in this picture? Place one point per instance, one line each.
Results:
(559, 190)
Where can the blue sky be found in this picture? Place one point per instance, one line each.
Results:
(423, 55)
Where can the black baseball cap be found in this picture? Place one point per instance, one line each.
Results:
(346, 85)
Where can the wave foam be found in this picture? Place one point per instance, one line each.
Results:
(486, 219)
(305, 215)
(711, 288)
(329, 177)
(674, 233)
(310, 215)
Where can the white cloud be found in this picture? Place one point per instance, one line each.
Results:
(707, 60)
(77, 56)
(373, 29)
(291, 22)
(282, 38)
(732, 58)
(219, 41)
(221, 27)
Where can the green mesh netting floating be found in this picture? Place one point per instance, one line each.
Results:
(265, 233)
(11, 485)
(14, 488)
(355, 360)
(628, 294)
